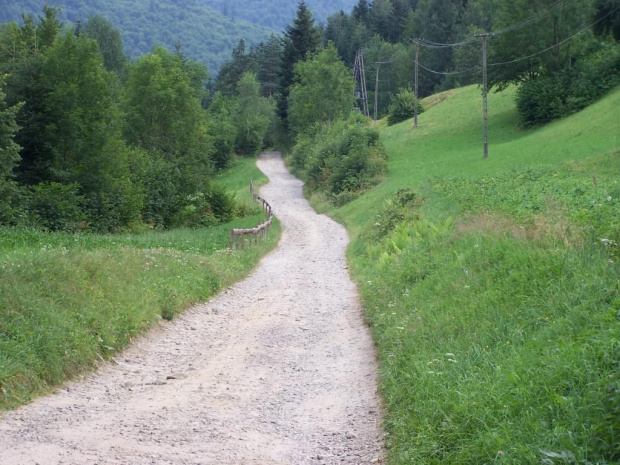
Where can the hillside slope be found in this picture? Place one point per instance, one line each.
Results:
(206, 34)
(276, 14)
(448, 142)
(492, 286)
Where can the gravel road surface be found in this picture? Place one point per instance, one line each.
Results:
(278, 369)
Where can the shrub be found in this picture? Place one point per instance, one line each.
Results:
(402, 106)
(57, 207)
(557, 95)
(341, 159)
(211, 206)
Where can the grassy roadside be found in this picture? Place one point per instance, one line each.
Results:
(67, 301)
(492, 287)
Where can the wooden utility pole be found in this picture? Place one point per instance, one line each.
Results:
(360, 76)
(485, 142)
(415, 90)
(376, 91)
(364, 90)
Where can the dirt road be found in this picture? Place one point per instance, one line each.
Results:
(278, 369)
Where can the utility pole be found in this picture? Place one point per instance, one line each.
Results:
(377, 91)
(415, 90)
(364, 90)
(360, 76)
(485, 142)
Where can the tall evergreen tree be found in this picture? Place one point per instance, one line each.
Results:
(434, 20)
(339, 30)
(607, 13)
(22, 57)
(382, 17)
(300, 39)
(547, 32)
(360, 11)
(231, 72)
(269, 61)
(9, 158)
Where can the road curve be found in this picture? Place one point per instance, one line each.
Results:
(277, 369)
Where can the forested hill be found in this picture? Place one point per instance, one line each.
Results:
(206, 34)
(276, 14)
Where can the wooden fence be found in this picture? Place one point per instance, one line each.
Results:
(237, 236)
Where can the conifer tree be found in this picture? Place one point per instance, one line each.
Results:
(269, 59)
(9, 157)
(300, 39)
(232, 70)
(360, 11)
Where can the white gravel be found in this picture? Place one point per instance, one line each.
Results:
(278, 369)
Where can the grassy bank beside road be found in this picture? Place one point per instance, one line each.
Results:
(492, 287)
(67, 301)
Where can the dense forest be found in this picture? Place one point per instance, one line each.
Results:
(205, 33)
(91, 141)
(276, 14)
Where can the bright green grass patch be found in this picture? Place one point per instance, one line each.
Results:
(492, 287)
(68, 300)
(448, 142)
(499, 341)
(237, 179)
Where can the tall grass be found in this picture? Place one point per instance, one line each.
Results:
(69, 300)
(492, 287)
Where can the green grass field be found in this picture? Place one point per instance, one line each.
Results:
(492, 287)
(69, 300)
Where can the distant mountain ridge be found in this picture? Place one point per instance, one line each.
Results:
(276, 14)
(207, 29)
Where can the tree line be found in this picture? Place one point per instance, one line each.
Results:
(207, 35)
(452, 57)
(92, 141)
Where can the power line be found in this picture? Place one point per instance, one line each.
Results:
(556, 7)
(430, 44)
(448, 73)
(558, 44)
(532, 19)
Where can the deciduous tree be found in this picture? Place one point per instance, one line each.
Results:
(323, 92)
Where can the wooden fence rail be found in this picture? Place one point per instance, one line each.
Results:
(237, 236)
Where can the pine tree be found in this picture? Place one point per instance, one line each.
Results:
(9, 157)
(269, 60)
(300, 39)
(360, 11)
(547, 32)
(232, 70)
(434, 20)
(381, 17)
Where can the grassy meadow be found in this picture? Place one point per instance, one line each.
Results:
(492, 287)
(68, 301)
